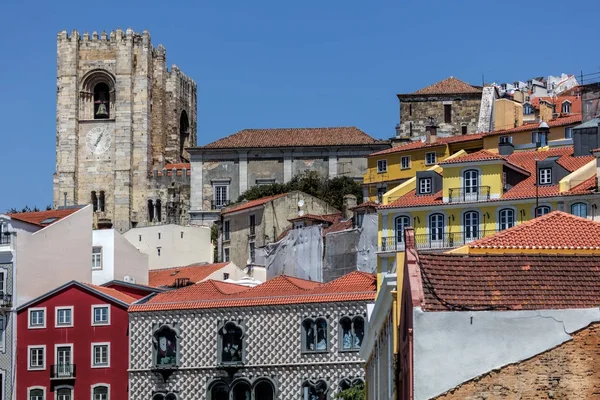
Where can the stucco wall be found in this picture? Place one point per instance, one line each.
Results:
(270, 168)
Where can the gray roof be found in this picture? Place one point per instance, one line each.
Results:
(592, 123)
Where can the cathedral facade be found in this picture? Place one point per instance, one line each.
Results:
(123, 122)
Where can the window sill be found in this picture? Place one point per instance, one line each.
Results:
(63, 326)
(430, 163)
(97, 120)
(36, 368)
(36, 327)
(100, 366)
(348, 350)
(404, 169)
(382, 172)
(100, 323)
(231, 364)
(309, 352)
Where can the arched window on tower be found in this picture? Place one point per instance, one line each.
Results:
(150, 211)
(101, 101)
(158, 210)
(94, 201)
(184, 135)
(101, 201)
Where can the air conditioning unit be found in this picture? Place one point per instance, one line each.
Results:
(129, 279)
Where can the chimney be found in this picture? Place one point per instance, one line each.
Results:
(349, 202)
(431, 131)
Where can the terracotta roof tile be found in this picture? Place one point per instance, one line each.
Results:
(556, 230)
(558, 101)
(167, 277)
(417, 144)
(44, 218)
(293, 137)
(450, 85)
(481, 155)
(282, 290)
(252, 203)
(503, 282)
(561, 121)
(114, 293)
(325, 218)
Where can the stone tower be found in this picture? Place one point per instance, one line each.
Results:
(120, 115)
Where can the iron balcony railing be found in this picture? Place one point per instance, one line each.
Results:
(4, 239)
(5, 300)
(433, 241)
(63, 371)
(469, 194)
(217, 205)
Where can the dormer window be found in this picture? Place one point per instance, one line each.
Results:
(540, 139)
(424, 185)
(566, 107)
(527, 109)
(545, 176)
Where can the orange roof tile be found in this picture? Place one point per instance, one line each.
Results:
(252, 203)
(325, 218)
(556, 230)
(114, 293)
(167, 277)
(356, 286)
(293, 137)
(417, 144)
(44, 218)
(561, 121)
(481, 155)
(558, 101)
(449, 85)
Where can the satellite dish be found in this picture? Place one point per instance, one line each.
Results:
(300, 213)
(301, 203)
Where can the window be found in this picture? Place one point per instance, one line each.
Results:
(184, 135)
(97, 257)
(448, 113)
(182, 234)
(298, 224)
(101, 201)
(314, 335)
(37, 318)
(221, 196)
(2, 333)
(380, 192)
(381, 165)
(225, 276)
(2, 282)
(505, 139)
(527, 109)
(405, 162)
(436, 227)
(226, 230)
(540, 139)
(430, 158)
(471, 182)
(471, 224)
(101, 315)
(64, 317)
(545, 176)
(100, 393)
(101, 101)
(507, 218)
(569, 132)
(37, 359)
(402, 223)
(158, 206)
(150, 211)
(226, 256)
(158, 251)
(315, 390)
(463, 130)
(360, 217)
(158, 235)
(166, 346)
(542, 210)
(63, 356)
(252, 223)
(262, 389)
(424, 185)
(410, 128)
(100, 355)
(232, 343)
(252, 252)
(348, 383)
(36, 394)
(64, 394)
(410, 109)
(94, 199)
(566, 107)
(579, 209)
(352, 332)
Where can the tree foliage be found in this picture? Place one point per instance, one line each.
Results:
(14, 210)
(331, 190)
(354, 393)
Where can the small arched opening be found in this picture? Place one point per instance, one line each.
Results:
(184, 135)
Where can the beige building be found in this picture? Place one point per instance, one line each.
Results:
(172, 245)
(121, 113)
(114, 258)
(252, 224)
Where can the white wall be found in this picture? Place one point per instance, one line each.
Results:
(54, 255)
(175, 251)
(119, 259)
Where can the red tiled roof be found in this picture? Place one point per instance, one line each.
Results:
(575, 103)
(450, 85)
(481, 155)
(417, 144)
(325, 218)
(195, 273)
(293, 137)
(38, 217)
(338, 226)
(556, 230)
(515, 282)
(114, 293)
(366, 204)
(561, 121)
(355, 286)
(252, 203)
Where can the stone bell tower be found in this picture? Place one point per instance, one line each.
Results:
(121, 113)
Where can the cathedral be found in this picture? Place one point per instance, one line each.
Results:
(123, 124)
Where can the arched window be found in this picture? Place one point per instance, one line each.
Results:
(314, 335)
(220, 391)
(507, 218)
(542, 210)
(527, 109)
(100, 393)
(471, 185)
(471, 224)
(101, 201)
(242, 391)
(166, 347)
(150, 211)
(232, 343)
(158, 210)
(579, 209)
(36, 394)
(94, 199)
(348, 383)
(315, 390)
(101, 101)
(353, 332)
(184, 135)
(402, 222)
(264, 390)
(566, 107)
(64, 394)
(436, 227)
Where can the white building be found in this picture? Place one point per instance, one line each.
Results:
(115, 258)
(172, 245)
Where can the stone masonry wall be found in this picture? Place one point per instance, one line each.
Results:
(569, 371)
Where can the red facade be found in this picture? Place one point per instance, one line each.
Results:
(68, 354)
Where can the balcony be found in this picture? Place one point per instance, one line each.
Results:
(4, 239)
(62, 371)
(218, 205)
(469, 194)
(5, 301)
(443, 241)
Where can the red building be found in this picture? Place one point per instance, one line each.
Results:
(72, 343)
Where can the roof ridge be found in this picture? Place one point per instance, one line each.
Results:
(186, 266)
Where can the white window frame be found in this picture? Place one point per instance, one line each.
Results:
(381, 166)
(94, 307)
(217, 200)
(29, 311)
(95, 259)
(568, 105)
(32, 347)
(42, 388)
(71, 388)
(56, 346)
(424, 180)
(93, 360)
(94, 386)
(569, 132)
(427, 155)
(59, 308)
(545, 179)
(407, 158)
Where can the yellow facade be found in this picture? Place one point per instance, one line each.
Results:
(507, 114)
(523, 138)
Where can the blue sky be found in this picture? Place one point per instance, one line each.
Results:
(274, 63)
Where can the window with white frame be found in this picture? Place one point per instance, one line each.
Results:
(37, 357)
(405, 162)
(100, 355)
(507, 218)
(545, 176)
(37, 318)
(381, 165)
(527, 109)
(100, 393)
(64, 394)
(36, 394)
(97, 257)
(566, 107)
(424, 185)
(221, 195)
(101, 315)
(542, 210)
(64, 316)
(579, 209)
(430, 158)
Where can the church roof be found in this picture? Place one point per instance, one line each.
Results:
(450, 85)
